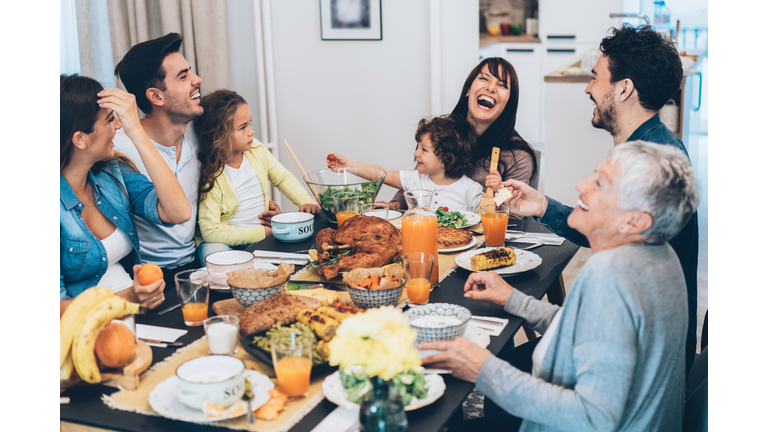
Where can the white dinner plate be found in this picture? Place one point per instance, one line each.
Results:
(472, 218)
(459, 248)
(526, 260)
(164, 401)
(335, 392)
(472, 334)
(391, 214)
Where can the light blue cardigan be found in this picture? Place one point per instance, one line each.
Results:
(616, 361)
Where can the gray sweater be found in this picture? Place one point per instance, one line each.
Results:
(616, 361)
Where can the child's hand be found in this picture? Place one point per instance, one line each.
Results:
(336, 161)
(267, 231)
(266, 217)
(310, 208)
(493, 180)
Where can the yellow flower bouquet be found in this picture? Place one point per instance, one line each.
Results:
(378, 343)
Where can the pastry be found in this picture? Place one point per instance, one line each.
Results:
(449, 237)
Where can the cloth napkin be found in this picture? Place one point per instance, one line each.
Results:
(275, 257)
(545, 238)
(487, 324)
(340, 419)
(164, 334)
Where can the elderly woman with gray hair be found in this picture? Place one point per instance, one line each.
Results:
(612, 357)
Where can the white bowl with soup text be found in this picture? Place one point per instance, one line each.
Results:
(216, 379)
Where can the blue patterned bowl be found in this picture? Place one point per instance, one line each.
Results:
(373, 299)
(428, 334)
(248, 296)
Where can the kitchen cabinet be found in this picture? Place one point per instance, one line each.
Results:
(575, 22)
(526, 59)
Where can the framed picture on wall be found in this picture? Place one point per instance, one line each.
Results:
(350, 19)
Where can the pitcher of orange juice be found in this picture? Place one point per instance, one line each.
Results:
(419, 227)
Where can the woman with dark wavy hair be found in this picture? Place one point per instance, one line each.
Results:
(101, 191)
(488, 102)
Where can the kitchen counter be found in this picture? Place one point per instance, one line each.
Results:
(558, 76)
(488, 40)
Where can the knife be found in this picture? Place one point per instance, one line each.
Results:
(154, 341)
(488, 321)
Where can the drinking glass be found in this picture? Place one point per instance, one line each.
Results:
(418, 274)
(192, 289)
(495, 219)
(221, 332)
(292, 360)
(376, 209)
(345, 205)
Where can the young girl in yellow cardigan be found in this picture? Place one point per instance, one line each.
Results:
(234, 208)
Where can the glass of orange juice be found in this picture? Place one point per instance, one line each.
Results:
(292, 360)
(418, 276)
(345, 205)
(192, 289)
(494, 219)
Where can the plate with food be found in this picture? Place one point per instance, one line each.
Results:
(164, 400)
(451, 239)
(502, 260)
(456, 219)
(340, 387)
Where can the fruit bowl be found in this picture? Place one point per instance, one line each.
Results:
(328, 182)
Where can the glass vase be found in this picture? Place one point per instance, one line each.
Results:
(381, 409)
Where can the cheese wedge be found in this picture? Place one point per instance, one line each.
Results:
(502, 195)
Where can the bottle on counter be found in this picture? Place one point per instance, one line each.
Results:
(419, 228)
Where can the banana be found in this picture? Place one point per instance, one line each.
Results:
(66, 370)
(82, 347)
(75, 314)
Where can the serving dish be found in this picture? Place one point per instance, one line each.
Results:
(366, 182)
(446, 333)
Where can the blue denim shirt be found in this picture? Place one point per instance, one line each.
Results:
(685, 243)
(83, 259)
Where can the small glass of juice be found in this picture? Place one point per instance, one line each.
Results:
(345, 205)
(192, 289)
(494, 219)
(292, 360)
(418, 276)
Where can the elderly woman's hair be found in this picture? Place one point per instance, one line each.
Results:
(659, 180)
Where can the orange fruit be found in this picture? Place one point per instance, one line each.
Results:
(149, 274)
(115, 345)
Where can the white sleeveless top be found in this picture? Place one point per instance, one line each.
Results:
(541, 348)
(118, 247)
(248, 190)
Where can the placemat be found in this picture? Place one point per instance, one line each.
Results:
(138, 400)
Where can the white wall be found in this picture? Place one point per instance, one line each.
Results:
(362, 99)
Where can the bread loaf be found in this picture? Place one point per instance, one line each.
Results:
(277, 309)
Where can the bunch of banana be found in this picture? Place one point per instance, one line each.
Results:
(80, 326)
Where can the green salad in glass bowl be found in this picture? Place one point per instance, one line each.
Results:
(326, 183)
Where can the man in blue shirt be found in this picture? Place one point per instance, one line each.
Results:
(637, 73)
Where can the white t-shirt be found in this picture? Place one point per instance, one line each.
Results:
(168, 247)
(463, 194)
(248, 190)
(118, 246)
(541, 348)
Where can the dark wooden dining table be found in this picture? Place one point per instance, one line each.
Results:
(86, 407)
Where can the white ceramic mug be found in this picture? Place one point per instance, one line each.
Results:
(216, 379)
(219, 263)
